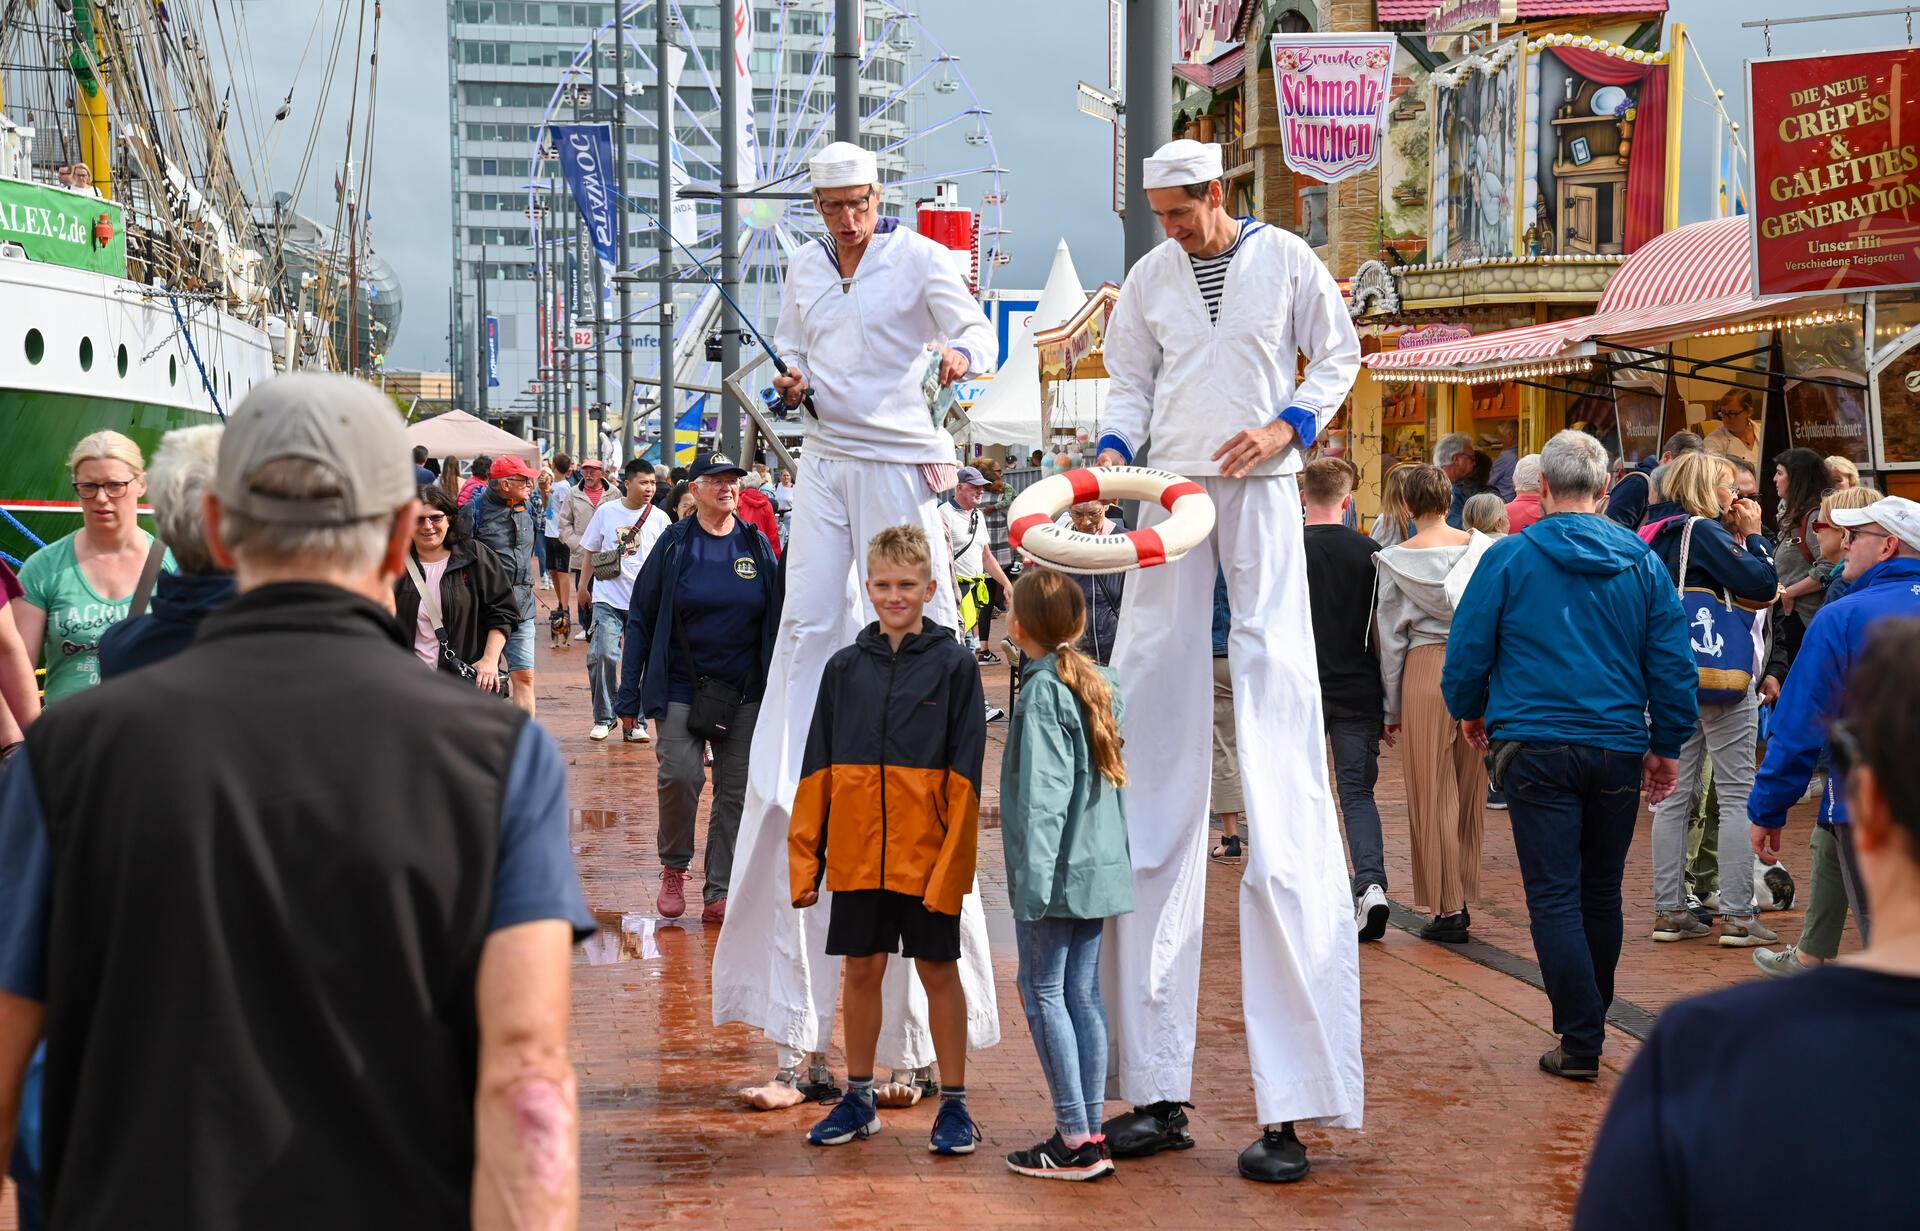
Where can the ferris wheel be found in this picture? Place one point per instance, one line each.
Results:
(923, 120)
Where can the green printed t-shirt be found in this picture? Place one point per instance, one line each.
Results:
(76, 616)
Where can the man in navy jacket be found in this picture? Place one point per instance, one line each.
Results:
(1883, 567)
(1570, 643)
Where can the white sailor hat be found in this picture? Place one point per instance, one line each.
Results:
(845, 165)
(1182, 162)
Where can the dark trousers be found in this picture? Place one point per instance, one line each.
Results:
(1356, 768)
(1850, 877)
(1573, 810)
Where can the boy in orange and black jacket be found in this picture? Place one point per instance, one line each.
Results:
(888, 809)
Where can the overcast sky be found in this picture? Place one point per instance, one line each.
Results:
(1021, 58)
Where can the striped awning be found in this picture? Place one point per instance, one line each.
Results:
(1694, 275)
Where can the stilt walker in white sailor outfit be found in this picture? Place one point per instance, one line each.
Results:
(861, 308)
(1202, 350)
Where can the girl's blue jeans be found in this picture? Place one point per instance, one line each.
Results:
(1060, 988)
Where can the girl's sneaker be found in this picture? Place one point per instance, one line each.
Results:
(1053, 1159)
(953, 1129)
(852, 1118)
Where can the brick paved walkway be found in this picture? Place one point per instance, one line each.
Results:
(1462, 1129)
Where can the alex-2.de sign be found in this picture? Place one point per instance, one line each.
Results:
(1836, 203)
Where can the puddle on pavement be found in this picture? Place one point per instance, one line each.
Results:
(582, 819)
(622, 938)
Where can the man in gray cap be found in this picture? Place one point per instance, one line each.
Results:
(291, 866)
(968, 538)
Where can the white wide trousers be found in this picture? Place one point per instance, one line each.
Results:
(1299, 961)
(770, 967)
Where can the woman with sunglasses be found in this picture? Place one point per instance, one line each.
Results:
(77, 587)
(475, 598)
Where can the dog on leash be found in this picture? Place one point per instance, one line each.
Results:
(558, 632)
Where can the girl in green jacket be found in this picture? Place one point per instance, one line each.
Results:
(1064, 823)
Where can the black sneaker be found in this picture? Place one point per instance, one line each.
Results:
(989, 659)
(1496, 800)
(1573, 1068)
(1053, 1159)
(1447, 929)
(1148, 1130)
(1228, 851)
(1277, 1158)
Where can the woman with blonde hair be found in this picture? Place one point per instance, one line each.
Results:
(1420, 583)
(1487, 513)
(79, 586)
(1737, 565)
(1390, 527)
(1064, 825)
(1842, 473)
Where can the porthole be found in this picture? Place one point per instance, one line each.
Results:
(36, 346)
(123, 360)
(86, 354)
(173, 370)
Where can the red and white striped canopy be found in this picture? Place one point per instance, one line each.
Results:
(1694, 274)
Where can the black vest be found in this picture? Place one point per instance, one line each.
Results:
(273, 861)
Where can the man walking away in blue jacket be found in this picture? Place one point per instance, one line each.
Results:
(1882, 546)
(1569, 661)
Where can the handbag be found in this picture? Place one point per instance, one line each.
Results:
(1720, 633)
(450, 662)
(606, 564)
(716, 703)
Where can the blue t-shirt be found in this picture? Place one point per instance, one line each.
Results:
(1831, 1050)
(720, 602)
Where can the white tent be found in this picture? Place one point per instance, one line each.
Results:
(1008, 413)
(458, 434)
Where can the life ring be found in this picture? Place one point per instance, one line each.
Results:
(1032, 531)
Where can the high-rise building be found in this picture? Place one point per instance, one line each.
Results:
(506, 63)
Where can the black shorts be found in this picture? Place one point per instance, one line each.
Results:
(869, 921)
(559, 559)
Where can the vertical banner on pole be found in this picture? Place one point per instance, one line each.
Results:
(747, 156)
(586, 156)
(493, 352)
(686, 213)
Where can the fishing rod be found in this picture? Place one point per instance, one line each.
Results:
(780, 365)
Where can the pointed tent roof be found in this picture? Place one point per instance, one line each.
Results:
(1008, 413)
(458, 434)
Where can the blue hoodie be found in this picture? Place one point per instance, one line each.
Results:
(1816, 688)
(1572, 634)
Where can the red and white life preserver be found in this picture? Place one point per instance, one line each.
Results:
(1031, 528)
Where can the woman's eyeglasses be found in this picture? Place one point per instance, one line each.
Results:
(116, 488)
(433, 521)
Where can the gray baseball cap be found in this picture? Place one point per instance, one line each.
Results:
(338, 422)
(970, 476)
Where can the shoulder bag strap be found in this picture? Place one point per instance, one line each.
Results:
(149, 577)
(429, 599)
(1686, 545)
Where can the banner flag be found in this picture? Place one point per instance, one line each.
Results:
(586, 156)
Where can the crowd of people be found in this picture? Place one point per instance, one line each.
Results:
(813, 654)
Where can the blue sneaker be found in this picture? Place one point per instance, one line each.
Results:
(953, 1129)
(852, 1117)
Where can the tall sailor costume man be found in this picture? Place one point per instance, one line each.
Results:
(861, 308)
(1202, 352)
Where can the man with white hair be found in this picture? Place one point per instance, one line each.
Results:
(867, 308)
(1577, 597)
(1524, 509)
(167, 609)
(1202, 351)
(1454, 455)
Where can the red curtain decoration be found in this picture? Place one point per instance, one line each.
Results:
(1647, 161)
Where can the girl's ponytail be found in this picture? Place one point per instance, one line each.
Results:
(1052, 611)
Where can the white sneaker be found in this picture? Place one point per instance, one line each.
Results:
(638, 735)
(600, 731)
(1370, 912)
(995, 713)
(582, 635)
(546, 583)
